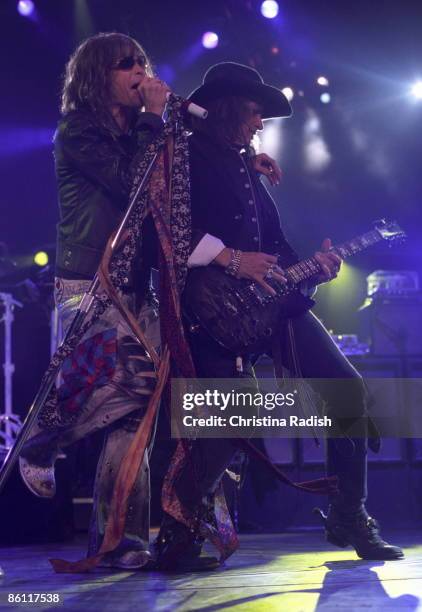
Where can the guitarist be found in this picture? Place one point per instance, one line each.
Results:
(236, 226)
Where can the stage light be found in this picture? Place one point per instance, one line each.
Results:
(323, 81)
(271, 138)
(41, 258)
(83, 22)
(325, 97)
(417, 90)
(269, 9)
(210, 40)
(15, 139)
(25, 8)
(165, 72)
(288, 92)
(333, 296)
(316, 154)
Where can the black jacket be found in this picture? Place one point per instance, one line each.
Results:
(222, 202)
(93, 171)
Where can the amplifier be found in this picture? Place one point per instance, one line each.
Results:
(392, 325)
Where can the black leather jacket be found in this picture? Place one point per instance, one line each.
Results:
(93, 171)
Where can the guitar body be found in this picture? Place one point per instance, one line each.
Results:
(237, 313)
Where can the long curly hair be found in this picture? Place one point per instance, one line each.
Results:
(87, 81)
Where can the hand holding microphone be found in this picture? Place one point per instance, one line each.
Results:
(155, 94)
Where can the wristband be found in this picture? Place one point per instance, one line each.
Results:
(234, 265)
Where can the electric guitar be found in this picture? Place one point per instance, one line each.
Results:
(241, 316)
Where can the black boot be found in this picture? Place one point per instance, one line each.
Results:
(360, 531)
(177, 548)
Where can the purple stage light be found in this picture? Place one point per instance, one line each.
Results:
(25, 8)
(269, 9)
(17, 140)
(210, 40)
(165, 72)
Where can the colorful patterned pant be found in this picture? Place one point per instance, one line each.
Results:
(111, 393)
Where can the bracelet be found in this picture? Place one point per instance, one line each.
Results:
(234, 265)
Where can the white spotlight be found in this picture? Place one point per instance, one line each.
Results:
(323, 81)
(325, 97)
(288, 92)
(210, 40)
(417, 90)
(269, 9)
(317, 157)
(26, 8)
(271, 137)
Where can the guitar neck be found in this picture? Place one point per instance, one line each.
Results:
(307, 268)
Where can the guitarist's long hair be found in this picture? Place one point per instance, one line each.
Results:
(225, 119)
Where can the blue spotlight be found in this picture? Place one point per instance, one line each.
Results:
(26, 8)
(269, 9)
(210, 40)
(325, 97)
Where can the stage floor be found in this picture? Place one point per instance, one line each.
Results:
(289, 571)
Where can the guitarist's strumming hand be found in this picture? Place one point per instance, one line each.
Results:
(257, 267)
(329, 262)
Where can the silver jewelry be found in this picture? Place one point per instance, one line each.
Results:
(270, 272)
(234, 265)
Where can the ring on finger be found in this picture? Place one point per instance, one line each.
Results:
(270, 271)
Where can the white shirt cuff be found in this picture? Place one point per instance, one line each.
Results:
(205, 251)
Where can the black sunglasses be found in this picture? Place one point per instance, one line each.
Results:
(127, 63)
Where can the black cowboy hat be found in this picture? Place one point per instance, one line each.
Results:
(232, 79)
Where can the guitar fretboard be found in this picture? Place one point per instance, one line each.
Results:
(310, 267)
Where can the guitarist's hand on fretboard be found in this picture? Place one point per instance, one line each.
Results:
(329, 262)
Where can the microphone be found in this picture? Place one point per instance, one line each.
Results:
(189, 107)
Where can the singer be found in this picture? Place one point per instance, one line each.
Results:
(111, 109)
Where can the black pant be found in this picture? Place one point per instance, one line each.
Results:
(319, 359)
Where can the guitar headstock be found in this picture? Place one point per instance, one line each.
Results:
(390, 230)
